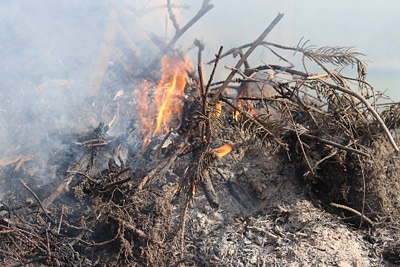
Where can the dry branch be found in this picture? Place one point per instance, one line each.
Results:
(353, 211)
(331, 143)
(37, 199)
(245, 56)
(369, 107)
(179, 32)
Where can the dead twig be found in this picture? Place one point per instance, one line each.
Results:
(353, 211)
(331, 143)
(245, 56)
(217, 58)
(172, 16)
(204, 9)
(258, 124)
(107, 186)
(61, 220)
(83, 174)
(37, 199)
(369, 107)
(314, 168)
(50, 199)
(233, 50)
(92, 143)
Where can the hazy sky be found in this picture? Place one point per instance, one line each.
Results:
(372, 27)
(54, 29)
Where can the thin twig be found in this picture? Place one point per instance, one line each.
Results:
(37, 199)
(245, 56)
(49, 200)
(162, 167)
(353, 211)
(200, 47)
(106, 186)
(217, 58)
(206, 128)
(320, 161)
(298, 133)
(369, 107)
(61, 220)
(172, 16)
(204, 9)
(83, 174)
(233, 50)
(334, 144)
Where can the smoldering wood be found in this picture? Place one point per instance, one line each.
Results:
(112, 202)
(209, 190)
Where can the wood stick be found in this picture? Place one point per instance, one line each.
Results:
(37, 199)
(50, 199)
(353, 211)
(217, 58)
(204, 9)
(328, 142)
(172, 16)
(233, 50)
(245, 56)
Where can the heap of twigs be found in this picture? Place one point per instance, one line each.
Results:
(330, 126)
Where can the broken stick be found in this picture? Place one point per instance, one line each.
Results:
(245, 56)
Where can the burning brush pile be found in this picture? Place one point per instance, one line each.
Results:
(269, 166)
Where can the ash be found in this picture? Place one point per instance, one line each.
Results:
(274, 166)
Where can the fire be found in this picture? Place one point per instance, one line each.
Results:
(236, 113)
(143, 113)
(222, 150)
(169, 94)
(168, 97)
(218, 110)
(242, 106)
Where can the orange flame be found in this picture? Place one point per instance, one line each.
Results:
(217, 110)
(143, 113)
(222, 150)
(170, 92)
(236, 113)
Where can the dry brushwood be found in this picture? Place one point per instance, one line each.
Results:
(115, 201)
(332, 122)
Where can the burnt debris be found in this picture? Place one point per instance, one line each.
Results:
(174, 142)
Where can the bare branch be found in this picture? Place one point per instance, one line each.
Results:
(246, 55)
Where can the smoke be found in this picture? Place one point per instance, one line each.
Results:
(47, 54)
(49, 51)
(52, 65)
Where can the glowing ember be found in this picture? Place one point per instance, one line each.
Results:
(222, 150)
(170, 92)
